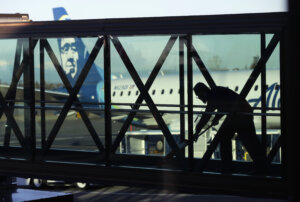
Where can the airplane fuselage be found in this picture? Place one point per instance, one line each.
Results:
(165, 90)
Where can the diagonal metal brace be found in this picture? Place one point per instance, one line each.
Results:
(18, 70)
(260, 65)
(246, 89)
(274, 150)
(14, 92)
(201, 66)
(148, 84)
(12, 122)
(147, 97)
(72, 97)
(15, 79)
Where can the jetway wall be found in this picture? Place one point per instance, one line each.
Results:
(35, 126)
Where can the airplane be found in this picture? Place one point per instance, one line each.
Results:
(124, 93)
(124, 90)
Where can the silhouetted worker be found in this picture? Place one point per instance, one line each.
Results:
(226, 100)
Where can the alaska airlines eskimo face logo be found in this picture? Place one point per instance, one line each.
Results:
(273, 100)
(69, 56)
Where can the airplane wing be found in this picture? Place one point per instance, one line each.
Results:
(49, 94)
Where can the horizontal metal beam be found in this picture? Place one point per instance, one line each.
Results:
(181, 181)
(72, 156)
(212, 24)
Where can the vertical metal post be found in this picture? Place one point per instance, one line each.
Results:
(107, 96)
(190, 100)
(181, 87)
(29, 99)
(288, 118)
(289, 80)
(263, 96)
(42, 94)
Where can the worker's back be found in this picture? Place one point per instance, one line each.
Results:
(226, 100)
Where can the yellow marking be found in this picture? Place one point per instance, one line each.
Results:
(245, 156)
(63, 17)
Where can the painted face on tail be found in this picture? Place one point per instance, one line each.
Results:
(69, 56)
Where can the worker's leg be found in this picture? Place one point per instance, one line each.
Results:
(247, 134)
(226, 149)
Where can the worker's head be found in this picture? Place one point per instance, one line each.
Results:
(201, 90)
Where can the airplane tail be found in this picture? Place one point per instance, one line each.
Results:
(60, 13)
(74, 55)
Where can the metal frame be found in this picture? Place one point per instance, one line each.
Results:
(148, 84)
(181, 28)
(212, 24)
(145, 95)
(260, 66)
(72, 97)
(13, 94)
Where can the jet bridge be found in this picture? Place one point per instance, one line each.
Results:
(49, 131)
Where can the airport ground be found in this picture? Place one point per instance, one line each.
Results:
(135, 194)
(73, 133)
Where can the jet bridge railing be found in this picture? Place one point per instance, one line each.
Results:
(36, 156)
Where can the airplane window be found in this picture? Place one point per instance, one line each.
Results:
(256, 88)
(129, 92)
(178, 91)
(171, 91)
(236, 88)
(121, 93)
(114, 93)
(137, 92)
(267, 86)
(277, 87)
(153, 92)
(162, 91)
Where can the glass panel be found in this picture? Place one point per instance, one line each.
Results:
(144, 134)
(228, 59)
(273, 101)
(74, 134)
(11, 56)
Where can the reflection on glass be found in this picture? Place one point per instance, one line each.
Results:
(228, 59)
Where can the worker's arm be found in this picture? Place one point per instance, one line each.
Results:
(215, 121)
(204, 119)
